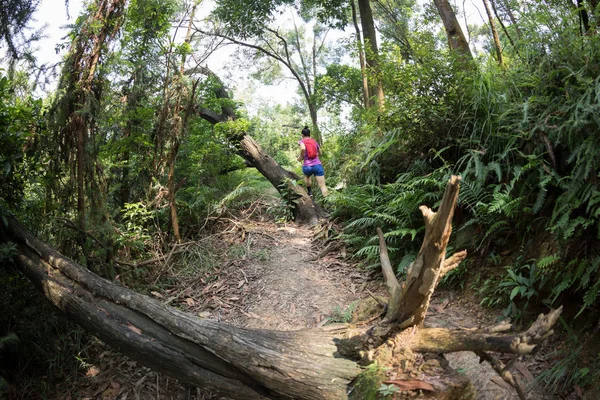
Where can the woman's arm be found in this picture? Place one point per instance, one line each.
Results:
(302, 151)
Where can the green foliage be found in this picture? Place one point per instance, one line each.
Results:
(574, 366)
(339, 86)
(20, 126)
(341, 314)
(233, 130)
(8, 251)
(392, 207)
(387, 390)
(524, 282)
(290, 198)
(135, 236)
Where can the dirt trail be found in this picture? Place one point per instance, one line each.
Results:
(293, 289)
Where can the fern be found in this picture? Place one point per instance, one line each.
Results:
(590, 297)
(367, 251)
(405, 262)
(548, 261)
(8, 340)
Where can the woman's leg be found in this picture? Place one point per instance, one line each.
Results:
(322, 186)
(308, 183)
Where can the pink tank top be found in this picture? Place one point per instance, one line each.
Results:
(310, 162)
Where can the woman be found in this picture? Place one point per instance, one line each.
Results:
(310, 152)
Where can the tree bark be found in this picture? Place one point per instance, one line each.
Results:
(595, 11)
(430, 265)
(456, 37)
(583, 15)
(322, 363)
(497, 44)
(512, 18)
(512, 43)
(171, 188)
(372, 55)
(361, 57)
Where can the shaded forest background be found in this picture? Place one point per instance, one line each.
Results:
(139, 145)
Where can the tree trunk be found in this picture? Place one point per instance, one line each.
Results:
(78, 78)
(284, 181)
(456, 37)
(233, 362)
(305, 211)
(372, 54)
(361, 57)
(512, 43)
(583, 15)
(172, 191)
(79, 125)
(409, 303)
(494, 33)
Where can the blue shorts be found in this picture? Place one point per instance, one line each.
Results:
(316, 170)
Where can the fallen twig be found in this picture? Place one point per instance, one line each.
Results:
(150, 261)
(503, 371)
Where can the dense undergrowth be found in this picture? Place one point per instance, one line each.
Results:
(525, 141)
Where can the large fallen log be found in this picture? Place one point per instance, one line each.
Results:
(324, 363)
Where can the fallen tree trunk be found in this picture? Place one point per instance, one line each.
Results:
(234, 362)
(306, 212)
(324, 363)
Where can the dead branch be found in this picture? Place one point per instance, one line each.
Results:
(503, 371)
(423, 275)
(154, 260)
(439, 340)
(393, 287)
(150, 261)
(452, 262)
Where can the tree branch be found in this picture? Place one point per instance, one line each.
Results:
(425, 271)
(503, 371)
(266, 52)
(452, 262)
(438, 340)
(393, 287)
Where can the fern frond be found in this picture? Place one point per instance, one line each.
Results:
(8, 340)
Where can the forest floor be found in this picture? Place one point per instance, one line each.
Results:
(278, 278)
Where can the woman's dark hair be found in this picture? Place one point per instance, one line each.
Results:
(306, 131)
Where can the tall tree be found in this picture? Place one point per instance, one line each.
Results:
(506, 33)
(371, 49)
(361, 57)
(456, 38)
(394, 18)
(183, 102)
(139, 67)
(77, 108)
(289, 47)
(497, 44)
